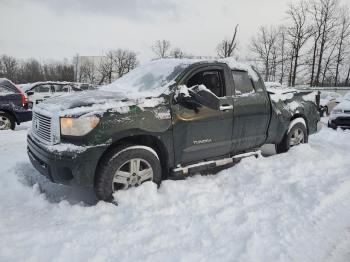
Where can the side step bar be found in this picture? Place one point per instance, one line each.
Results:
(202, 166)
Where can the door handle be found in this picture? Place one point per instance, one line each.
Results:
(226, 107)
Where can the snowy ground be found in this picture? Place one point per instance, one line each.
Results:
(288, 207)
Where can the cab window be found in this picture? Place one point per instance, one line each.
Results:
(242, 82)
(42, 89)
(61, 88)
(211, 79)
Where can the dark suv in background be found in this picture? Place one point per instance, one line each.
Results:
(12, 105)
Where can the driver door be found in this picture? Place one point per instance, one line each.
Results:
(203, 133)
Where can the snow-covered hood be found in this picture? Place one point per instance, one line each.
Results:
(93, 102)
(343, 105)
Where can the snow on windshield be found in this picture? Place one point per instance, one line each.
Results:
(150, 79)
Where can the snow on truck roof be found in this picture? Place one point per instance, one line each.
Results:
(153, 78)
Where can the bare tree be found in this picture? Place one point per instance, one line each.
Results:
(124, 61)
(262, 46)
(9, 66)
(88, 72)
(161, 48)
(31, 70)
(131, 61)
(328, 61)
(227, 47)
(347, 77)
(344, 34)
(106, 68)
(299, 32)
(316, 34)
(282, 45)
(177, 53)
(328, 10)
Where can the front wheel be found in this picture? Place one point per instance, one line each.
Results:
(126, 167)
(297, 135)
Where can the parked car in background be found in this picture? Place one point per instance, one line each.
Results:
(329, 100)
(340, 115)
(38, 92)
(85, 87)
(12, 105)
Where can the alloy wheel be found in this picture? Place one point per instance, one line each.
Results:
(5, 123)
(297, 137)
(132, 174)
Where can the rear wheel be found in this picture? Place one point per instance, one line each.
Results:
(327, 111)
(7, 121)
(297, 135)
(126, 167)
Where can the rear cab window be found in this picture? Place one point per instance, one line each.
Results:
(42, 89)
(62, 88)
(243, 84)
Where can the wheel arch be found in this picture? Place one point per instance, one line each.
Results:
(300, 115)
(4, 110)
(143, 140)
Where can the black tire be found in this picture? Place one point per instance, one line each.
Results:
(111, 162)
(331, 126)
(10, 118)
(327, 112)
(284, 145)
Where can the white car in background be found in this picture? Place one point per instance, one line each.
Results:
(340, 115)
(39, 91)
(329, 100)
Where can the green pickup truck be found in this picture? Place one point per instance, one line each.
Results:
(167, 119)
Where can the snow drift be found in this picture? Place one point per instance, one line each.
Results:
(288, 207)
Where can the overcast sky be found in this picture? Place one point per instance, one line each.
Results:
(57, 29)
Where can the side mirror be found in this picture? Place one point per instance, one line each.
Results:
(197, 96)
(205, 97)
(30, 93)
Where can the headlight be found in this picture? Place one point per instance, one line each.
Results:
(78, 126)
(337, 111)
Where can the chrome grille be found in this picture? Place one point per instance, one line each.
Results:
(41, 126)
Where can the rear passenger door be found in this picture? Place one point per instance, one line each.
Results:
(251, 112)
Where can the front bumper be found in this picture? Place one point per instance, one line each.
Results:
(340, 121)
(65, 167)
(23, 115)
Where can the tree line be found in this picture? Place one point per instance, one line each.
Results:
(312, 47)
(31, 70)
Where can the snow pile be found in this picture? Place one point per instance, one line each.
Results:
(288, 207)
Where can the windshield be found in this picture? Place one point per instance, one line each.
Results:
(150, 79)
